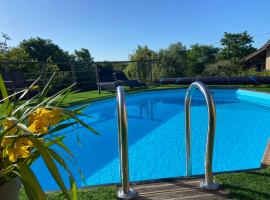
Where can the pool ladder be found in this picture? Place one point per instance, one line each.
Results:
(208, 183)
(125, 192)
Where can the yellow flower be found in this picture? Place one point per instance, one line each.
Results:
(42, 118)
(7, 124)
(38, 127)
(20, 149)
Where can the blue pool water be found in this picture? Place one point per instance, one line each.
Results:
(157, 137)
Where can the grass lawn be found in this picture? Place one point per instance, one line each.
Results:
(88, 96)
(244, 185)
(99, 193)
(247, 185)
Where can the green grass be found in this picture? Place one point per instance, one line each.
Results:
(247, 185)
(260, 89)
(98, 193)
(253, 185)
(88, 96)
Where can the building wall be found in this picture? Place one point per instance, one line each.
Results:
(267, 63)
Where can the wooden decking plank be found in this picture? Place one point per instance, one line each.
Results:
(176, 190)
(166, 191)
(169, 183)
(163, 187)
(190, 194)
(266, 155)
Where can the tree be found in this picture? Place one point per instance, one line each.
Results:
(172, 61)
(16, 54)
(3, 44)
(142, 69)
(83, 55)
(44, 49)
(223, 68)
(236, 45)
(84, 69)
(199, 56)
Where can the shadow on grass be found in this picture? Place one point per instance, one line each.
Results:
(239, 192)
(257, 173)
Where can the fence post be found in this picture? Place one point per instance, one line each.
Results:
(150, 70)
(44, 74)
(73, 74)
(138, 70)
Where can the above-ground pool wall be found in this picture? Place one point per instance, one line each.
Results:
(253, 97)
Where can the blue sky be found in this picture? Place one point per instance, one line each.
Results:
(111, 29)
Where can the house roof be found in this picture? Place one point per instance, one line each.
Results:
(258, 51)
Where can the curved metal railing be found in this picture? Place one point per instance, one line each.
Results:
(125, 192)
(208, 183)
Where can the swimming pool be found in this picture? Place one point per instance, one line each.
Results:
(157, 136)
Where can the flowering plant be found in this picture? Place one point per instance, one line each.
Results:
(27, 133)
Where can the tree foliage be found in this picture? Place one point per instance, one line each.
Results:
(44, 49)
(236, 45)
(223, 68)
(176, 60)
(83, 55)
(142, 69)
(199, 56)
(3, 44)
(173, 60)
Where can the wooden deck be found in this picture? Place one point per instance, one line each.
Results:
(176, 190)
(266, 156)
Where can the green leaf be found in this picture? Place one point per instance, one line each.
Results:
(71, 178)
(58, 142)
(44, 152)
(31, 194)
(62, 126)
(30, 181)
(45, 90)
(71, 115)
(54, 141)
(43, 102)
(59, 95)
(29, 88)
(59, 103)
(4, 94)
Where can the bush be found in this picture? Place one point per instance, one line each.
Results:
(223, 68)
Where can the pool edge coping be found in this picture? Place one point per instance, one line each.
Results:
(171, 179)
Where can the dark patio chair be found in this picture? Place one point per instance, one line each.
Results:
(15, 81)
(8, 81)
(122, 78)
(105, 79)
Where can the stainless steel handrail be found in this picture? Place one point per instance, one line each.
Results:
(125, 192)
(208, 183)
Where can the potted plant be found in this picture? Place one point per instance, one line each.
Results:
(27, 133)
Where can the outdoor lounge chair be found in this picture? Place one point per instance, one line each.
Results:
(105, 79)
(8, 80)
(122, 78)
(15, 81)
(109, 79)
